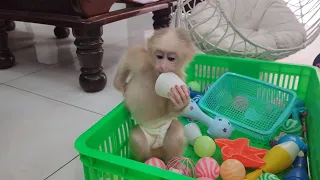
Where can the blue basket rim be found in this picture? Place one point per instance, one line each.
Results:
(276, 125)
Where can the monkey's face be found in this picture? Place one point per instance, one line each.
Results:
(165, 61)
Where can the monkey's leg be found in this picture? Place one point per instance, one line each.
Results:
(7, 59)
(174, 142)
(139, 145)
(90, 55)
(162, 18)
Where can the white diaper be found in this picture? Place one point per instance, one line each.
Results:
(155, 135)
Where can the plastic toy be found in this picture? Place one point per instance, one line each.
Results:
(299, 170)
(204, 146)
(232, 169)
(192, 132)
(219, 129)
(197, 98)
(207, 167)
(279, 158)
(249, 111)
(194, 93)
(292, 126)
(294, 138)
(268, 176)
(156, 162)
(240, 150)
(182, 165)
(195, 86)
(223, 129)
(165, 82)
(298, 108)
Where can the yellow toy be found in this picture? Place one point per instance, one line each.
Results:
(279, 158)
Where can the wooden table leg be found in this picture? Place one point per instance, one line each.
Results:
(90, 55)
(7, 59)
(162, 18)
(61, 32)
(10, 25)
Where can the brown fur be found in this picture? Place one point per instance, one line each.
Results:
(140, 96)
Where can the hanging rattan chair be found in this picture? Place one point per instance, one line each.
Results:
(260, 29)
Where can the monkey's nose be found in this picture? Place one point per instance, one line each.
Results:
(162, 70)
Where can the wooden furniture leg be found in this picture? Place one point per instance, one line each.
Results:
(7, 59)
(162, 18)
(10, 25)
(61, 32)
(90, 55)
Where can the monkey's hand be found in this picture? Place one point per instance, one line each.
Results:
(179, 96)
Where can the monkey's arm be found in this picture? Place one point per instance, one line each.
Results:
(133, 61)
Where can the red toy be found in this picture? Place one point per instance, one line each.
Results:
(240, 150)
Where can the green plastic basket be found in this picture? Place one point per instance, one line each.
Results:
(104, 150)
(254, 107)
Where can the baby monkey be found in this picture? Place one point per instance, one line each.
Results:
(158, 133)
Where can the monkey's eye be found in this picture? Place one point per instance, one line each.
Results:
(171, 56)
(159, 55)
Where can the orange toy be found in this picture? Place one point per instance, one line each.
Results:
(240, 150)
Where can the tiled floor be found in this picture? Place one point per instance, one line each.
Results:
(43, 110)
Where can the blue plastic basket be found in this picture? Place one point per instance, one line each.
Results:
(252, 106)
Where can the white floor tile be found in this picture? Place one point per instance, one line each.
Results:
(37, 134)
(61, 83)
(72, 171)
(21, 68)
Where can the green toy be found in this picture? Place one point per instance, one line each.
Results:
(204, 146)
(268, 176)
(195, 86)
(292, 126)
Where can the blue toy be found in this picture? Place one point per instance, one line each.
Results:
(217, 127)
(197, 98)
(316, 61)
(298, 108)
(299, 171)
(206, 89)
(194, 93)
(296, 139)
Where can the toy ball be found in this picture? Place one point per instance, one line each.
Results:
(232, 169)
(222, 128)
(203, 178)
(197, 98)
(204, 146)
(207, 167)
(182, 165)
(268, 176)
(195, 86)
(156, 162)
